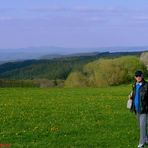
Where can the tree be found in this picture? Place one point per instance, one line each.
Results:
(144, 58)
(106, 72)
(76, 79)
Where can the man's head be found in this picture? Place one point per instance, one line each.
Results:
(138, 76)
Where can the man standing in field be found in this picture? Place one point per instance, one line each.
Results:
(140, 106)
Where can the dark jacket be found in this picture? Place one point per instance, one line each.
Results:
(143, 98)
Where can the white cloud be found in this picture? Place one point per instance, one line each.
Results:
(81, 13)
(96, 19)
(80, 9)
(6, 18)
(141, 18)
(48, 9)
(6, 10)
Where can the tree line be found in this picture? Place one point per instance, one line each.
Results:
(104, 69)
(106, 72)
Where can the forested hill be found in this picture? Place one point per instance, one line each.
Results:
(52, 69)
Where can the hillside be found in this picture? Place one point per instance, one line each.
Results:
(52, 69)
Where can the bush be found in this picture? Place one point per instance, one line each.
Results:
(45, 83)
(144, 58)
(76, 79)
(106, 72)
(17, 83)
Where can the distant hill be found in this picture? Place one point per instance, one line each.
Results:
(49, 52)
(70, 55)
(57, 68)
(29, 53)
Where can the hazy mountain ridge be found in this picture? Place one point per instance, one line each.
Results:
(46, 52)
(57, 68)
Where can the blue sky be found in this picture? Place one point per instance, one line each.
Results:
(73, 23)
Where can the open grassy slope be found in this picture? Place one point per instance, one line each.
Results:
(69, 118)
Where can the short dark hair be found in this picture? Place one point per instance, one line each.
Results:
(138, 73)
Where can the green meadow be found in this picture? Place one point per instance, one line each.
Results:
(67, 118)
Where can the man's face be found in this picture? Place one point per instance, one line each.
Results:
(138, 78)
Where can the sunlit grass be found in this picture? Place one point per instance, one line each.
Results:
(84, 117)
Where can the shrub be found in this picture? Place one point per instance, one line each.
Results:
(76, 79)
(144, 58)
(106, 72)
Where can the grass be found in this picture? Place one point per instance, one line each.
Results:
(69, 118)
